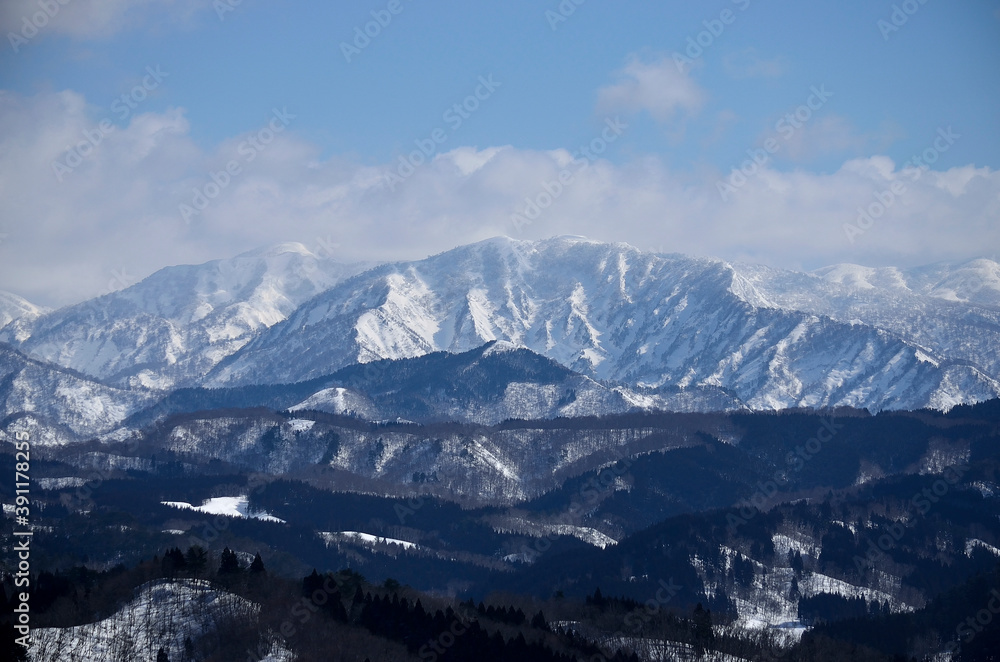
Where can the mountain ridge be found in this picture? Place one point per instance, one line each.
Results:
(171, 327)
(844, 335)
(713, 326)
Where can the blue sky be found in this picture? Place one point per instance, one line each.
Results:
(894, 80)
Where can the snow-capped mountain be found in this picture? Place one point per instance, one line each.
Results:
(951, 310)
(771, 338)
(663, 326)
(172, 327)
(13, 307)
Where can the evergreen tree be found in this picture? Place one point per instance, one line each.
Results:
(173, 562)
(196, 559)
(793, 590)
(229, 563)
(703, 635)
(257, 567)
(795, 560)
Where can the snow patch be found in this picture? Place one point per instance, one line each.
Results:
(972, 543)
(367, 538)
(227, 506)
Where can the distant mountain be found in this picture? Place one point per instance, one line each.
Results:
(486, 385)
(676, 332)
(171, 328)
(13, 307)
(60, 405)
(770, 339)
(950, 311)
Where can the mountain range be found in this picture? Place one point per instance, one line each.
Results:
(554, 418)
(596, 328)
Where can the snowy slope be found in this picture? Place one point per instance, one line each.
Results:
(237, 506)
(58, 405)
(951, 311)
(13, 307)
(176, 324)
(500, 465)
(663, 322)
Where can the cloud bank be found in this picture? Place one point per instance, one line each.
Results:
(118, 214)
(87, 19)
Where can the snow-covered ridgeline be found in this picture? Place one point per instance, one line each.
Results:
(163, 615)
(774, 339)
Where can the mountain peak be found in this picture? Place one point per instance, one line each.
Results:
(500, 347)
(13, 307)
(275, 250)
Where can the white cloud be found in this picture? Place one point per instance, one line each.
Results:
(824, 135)
(658, 88)
(90, 18)
(117, 212)
(748, 64)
